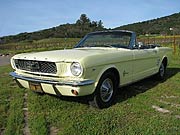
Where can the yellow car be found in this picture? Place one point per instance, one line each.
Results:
(99, 64)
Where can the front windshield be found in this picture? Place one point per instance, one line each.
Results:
(106, 39)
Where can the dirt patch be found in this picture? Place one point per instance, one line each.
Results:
(159, 109)
(169, 103)
(53, 130)
(26, 130)
(177, 116)
(169, 97)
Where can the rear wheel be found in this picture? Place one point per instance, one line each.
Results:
(105, 91)
(162, 71)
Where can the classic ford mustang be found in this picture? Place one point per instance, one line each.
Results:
(99, 64)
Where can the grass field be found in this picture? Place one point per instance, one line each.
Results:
(39, 45)
(146, 107)
(61, 43)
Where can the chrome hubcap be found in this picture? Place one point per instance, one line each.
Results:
(106, 90)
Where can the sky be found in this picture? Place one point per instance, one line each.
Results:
(17, 16)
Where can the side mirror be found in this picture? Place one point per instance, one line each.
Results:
(140, 45)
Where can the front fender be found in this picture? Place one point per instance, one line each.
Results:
(102, 71)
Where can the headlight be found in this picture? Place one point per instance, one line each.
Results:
(76, 69)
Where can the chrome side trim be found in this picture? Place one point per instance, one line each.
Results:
(70, 83)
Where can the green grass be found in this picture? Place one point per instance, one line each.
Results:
(11, 104)
(132, 113)
(39, 45)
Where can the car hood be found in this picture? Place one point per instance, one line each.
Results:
(61, 55)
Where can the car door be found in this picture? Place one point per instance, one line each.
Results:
(145, 62)
(125, 66)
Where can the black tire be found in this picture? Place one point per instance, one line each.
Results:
(162, 71)
(105, 92)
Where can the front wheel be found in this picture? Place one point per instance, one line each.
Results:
(105, 91)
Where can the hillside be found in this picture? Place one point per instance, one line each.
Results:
(76, 30)
(156, 26)
(84, 25)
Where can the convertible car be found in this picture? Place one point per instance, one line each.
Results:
(97, 66)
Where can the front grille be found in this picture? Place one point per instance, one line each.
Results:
(36, 66)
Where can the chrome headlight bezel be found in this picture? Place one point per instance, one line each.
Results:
(13, 63)
(76, 69)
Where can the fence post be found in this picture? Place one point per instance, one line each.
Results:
(165, 41)
(178, 48)
(154, 40)
(174, 44)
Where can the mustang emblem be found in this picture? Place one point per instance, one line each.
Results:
(32, 66)
(125, 73)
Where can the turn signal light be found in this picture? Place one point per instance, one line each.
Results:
(74, 92)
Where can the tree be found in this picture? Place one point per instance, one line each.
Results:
(93, 24)
(83, 20)
(100, 24)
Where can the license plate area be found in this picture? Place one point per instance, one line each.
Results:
(36, 87)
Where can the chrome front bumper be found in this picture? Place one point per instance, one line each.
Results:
(69, 83)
